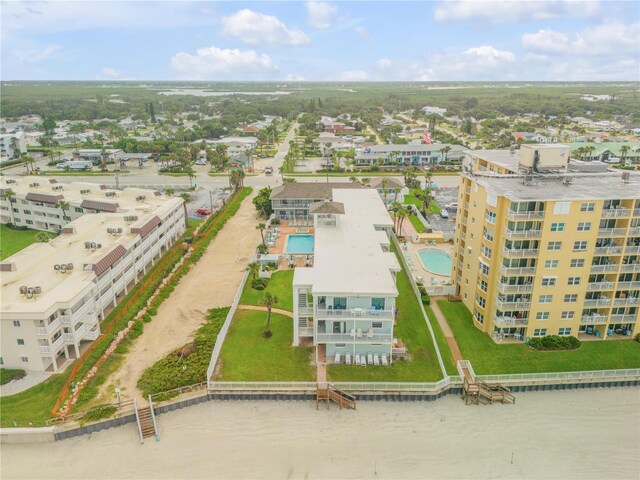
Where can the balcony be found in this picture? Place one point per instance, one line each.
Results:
(597, 302)
(49, 329)
(612, 232)
(461, 251)
(355, 313)
(621, 302)
(305, 311)
(623, 318)
(513, 215)
(53, 348)
(630, 250)
(520, 252)
(592, 319)
(464, 221)
(636, 212)
(599, 286)
(509, 271)
(506, 288)
(634, 231)
(463, 235)
(305, 331)
(66, 319)
(616, 212)
(345, 337)
(608, 250)
(630, 267)
(91, 334)
(502, 321)
(519, 305)
(611, 267)
(511, 234)
(628, 285)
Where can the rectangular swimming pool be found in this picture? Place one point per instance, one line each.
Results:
(299, 244)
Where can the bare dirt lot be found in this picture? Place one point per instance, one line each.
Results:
(213, 282)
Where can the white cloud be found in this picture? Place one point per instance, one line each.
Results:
(364, 33)
(354, 76)
(214, 63)
(255, 28)
(383, 63)
(492, 56)
(293, 77)
(512, 11)
(111, 73)
(37, 54)
(606, 39)
(321, 14)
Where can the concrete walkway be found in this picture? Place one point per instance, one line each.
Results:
(264, 309)
(446, 330)
(25, 383)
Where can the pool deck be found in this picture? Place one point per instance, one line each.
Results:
(417, 270)
(279, 248)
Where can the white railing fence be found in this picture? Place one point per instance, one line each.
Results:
(632, 373)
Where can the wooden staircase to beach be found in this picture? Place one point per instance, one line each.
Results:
(477, 392)
(330, 394)
(146, 422)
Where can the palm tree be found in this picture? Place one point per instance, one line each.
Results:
(353, 179)
(385, 180)
(187, 198)
(253, 269)
(188, 169)
(235, 179)
(268, 301)
(590, 149)
(9, 196)
(169, 191)
(42, 237)
(62, 205)
(400, 212)
(261, 227)
(365, 181)
(624, 149)
(445, 151)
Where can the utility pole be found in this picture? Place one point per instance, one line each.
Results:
(117, 180)
(211, 200)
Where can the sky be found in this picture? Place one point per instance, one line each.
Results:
(321, 41)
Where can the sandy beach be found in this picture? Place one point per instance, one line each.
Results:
(563, 434)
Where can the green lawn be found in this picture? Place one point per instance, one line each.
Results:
(411, 199)
(412, 329)
(12, 241)
(247, 356)
(417, 224)
(487, 357)
(280, 285)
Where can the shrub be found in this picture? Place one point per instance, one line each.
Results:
(267, 334)
(98, 413)
(259, 283)
(554, 342)
(136, 330)
(638, 337)
(263, 249)
(426, 300)
(7, 375)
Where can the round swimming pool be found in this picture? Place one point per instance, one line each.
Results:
(435, 261)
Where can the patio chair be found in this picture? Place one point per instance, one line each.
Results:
(352, 332)
(359, 333)
(337, 359)
(370, 333)
(426, 243)
(347, 359)
(363, 360)
(357, 359)
(369, 358)
(376, 359)
(384, 360)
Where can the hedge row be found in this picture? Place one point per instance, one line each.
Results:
(554, 342)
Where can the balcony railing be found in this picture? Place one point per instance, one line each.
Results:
(461, 250)
(616, 212)
(608, 250)
(346, 337)
(623, 318)
(513, 215)
(519, 305)
(522, 233)
(54, 346)
(520, 252)
(611, 267)
(517, 270)
(630, 249)
(49, 329)
(598, 286)
(305, 331)
(503, 321)
(631, 267)
(506, 288)
(612, 232)
(464, 221)
(634, 231)
(628, 285)
(305, 311)
(626, 301)
(355, 313)
(636, 212)
(597, 302)
(591, 319)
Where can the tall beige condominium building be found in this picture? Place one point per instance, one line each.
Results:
(545, 245)
(56, 294)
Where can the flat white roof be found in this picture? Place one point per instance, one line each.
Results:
(348, 258)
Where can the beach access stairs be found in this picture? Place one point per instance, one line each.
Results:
(146, 420)
(477, 392)
(327, 393)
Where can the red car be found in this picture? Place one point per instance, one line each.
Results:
(203, 211)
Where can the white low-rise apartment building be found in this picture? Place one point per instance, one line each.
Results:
(345, 303)
(12, 145)
(409, 154)
(55, 294)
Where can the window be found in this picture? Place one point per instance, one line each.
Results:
(539, 332)
(568, 315)
(483, 285)
(573, 281)
(564, 331)
(21, 341)
(554, 246)
(488, 234)
(1, 361)
(571, 298)
(490, 216)
(584, 226)
(484, 269)
(376, 325)
(16, 323)
(24, 359)
(587, 207)
(78, 209)
(341, 345)
(339, 303)
(377, 303)
(551, 264)
(542, 316)
(548, 281)
(546, 298)
(481, 301)
(29, 222)
(561, 208)
(580, 246)
(557, 227)
(27, 212)
(478, 316)
(486, 252)
(577, 262)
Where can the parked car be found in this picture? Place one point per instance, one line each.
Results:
(61, 165)
(203, 212)
(268, 170)
(444, 213)
(201, 161)
(327, 164)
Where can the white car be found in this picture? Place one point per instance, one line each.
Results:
(201, 161)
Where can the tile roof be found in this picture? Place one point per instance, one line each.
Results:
(109, 259)
(43, 198)
(311, 191)
(145, 229)
(100, 206)
(326, 206)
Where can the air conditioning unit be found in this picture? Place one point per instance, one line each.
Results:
(120, 230)
(110, 194)
(141, 198)
(56, 267)
(10, 181)
(87, 245)
(69, 266)
(109, 230)
(83, 192)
